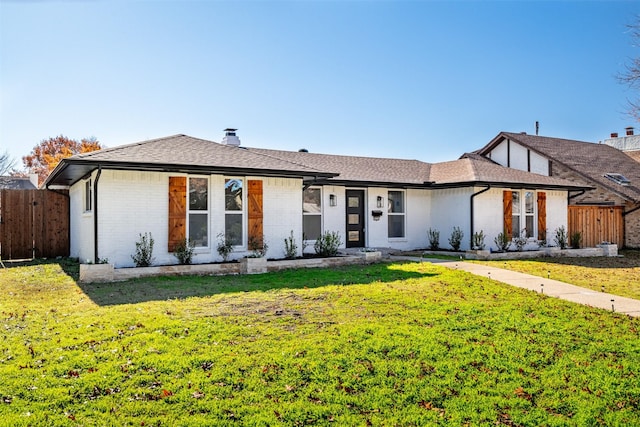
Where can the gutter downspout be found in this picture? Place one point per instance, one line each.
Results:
(472, 213)
(95, 216)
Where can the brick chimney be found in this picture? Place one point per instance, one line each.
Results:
(629, 131)
(614, 134)
(230, 137)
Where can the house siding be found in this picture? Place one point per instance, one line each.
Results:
(80, 225)
(452, 208)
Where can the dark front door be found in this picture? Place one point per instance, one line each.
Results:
(355, 218)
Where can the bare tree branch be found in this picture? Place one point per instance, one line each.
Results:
(7, 163)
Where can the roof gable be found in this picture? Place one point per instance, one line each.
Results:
(589, 160)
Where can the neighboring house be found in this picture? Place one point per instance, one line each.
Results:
(629, 144)
(19, 183)
(179, 186)
(610, 210)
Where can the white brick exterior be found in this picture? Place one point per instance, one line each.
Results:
(130, 203)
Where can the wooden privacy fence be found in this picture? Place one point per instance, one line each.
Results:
(597, 224)
(34, 224)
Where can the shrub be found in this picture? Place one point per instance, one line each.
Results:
(184, 252)
(328, 244)
(521, 240)
(434, 239)
(225, 246)
(477, 241)
(258, 247)
(576, 239)
(143, 256)
(456, 238)
(502, 241)
(561, 237)
(290, 247)
(543, 239)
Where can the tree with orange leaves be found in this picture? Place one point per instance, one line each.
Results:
(45, 156)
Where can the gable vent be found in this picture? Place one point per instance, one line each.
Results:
(617, 178)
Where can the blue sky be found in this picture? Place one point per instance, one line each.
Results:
(424, 80)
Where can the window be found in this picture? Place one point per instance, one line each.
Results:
(312, 213)
(88, 196)
(198, 212)
(234, 210)
(523, 216)
(396, 214)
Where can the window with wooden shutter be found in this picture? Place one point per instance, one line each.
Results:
(177, 210)
(507, 209)
(542, 216)
(254, 212)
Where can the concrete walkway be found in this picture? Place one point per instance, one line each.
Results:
(549, 287)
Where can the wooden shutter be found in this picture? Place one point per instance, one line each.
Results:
(177, 210)
(254, 206)
(542, 215)
(507, 212)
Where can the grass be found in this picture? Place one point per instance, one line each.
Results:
(407, 344)
(616, 275)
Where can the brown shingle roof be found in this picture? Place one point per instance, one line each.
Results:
(358, 169)
(473, 168)
(188, 154)
(589, 160)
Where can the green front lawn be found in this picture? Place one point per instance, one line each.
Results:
(616, 275)
(386, 344)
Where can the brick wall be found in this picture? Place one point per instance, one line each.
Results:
(602, 195)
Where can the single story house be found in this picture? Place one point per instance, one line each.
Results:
(610, 210)
(183, 187)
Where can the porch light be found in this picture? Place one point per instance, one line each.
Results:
(332, 200)
(379, 202)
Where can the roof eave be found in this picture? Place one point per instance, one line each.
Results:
(91, 165)
(515, 185)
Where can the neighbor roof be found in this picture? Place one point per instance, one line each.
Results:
(15, 183)
(589, 160)
(181, 153)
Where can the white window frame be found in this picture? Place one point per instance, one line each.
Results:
(242, 212)
(320, 214)
(87, 197)
(403, 214)
(199, 212)
(523, 214)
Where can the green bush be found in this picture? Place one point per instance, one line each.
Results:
(143, 256)
(561, 237)
(434, 239)
(502, 241)
(456, 238)
(290, 247)
(258, 247)
(225, 246)
(576, 240)
(327, 245)
(184, 252)
(477, 241)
